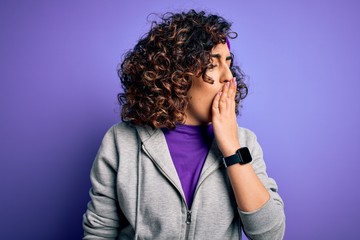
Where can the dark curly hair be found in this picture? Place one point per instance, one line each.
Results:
(156, 73)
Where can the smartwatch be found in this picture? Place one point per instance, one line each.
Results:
(242, 156)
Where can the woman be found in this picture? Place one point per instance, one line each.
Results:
(178, 166)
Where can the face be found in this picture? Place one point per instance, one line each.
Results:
(202, 93)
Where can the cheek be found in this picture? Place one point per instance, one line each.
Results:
(202, 94)
(205, 100)
(213, 89)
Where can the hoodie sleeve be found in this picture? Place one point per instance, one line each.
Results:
(268, 222)
(103, 217)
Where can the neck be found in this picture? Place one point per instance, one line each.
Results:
(192, 121)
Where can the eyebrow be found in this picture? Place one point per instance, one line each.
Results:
(218, 56)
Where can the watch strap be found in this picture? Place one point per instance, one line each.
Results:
(241, 156)
(231, 160)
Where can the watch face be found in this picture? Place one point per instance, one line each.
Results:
(245, 155)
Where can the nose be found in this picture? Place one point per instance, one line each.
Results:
(226, 74)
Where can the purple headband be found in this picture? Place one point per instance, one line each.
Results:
(228, 43)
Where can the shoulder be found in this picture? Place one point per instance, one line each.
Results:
(123, 128)
(126, 132)
(119, 131)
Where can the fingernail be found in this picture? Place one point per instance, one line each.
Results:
(234, 80)
(227, 84)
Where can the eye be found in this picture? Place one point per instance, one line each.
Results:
(229, 60)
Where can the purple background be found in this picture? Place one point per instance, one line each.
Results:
(58, 97)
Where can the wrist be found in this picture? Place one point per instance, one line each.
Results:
(241, 156)
(230, 150)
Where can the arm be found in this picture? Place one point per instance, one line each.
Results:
(259, 205)
(103, 217)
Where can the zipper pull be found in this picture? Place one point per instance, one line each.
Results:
(188, 218)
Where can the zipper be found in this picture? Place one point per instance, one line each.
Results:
(188, 217)
(198, 186)
(188, 221)
(188, 211)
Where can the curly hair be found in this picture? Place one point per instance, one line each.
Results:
(156, 74)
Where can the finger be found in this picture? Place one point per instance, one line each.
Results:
(226, 89)
(232, 93)
(215, 104)
(233, 87)
(223, 97)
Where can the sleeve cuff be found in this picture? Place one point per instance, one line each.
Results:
(270, 217)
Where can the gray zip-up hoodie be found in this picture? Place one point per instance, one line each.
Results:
(136, 193)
